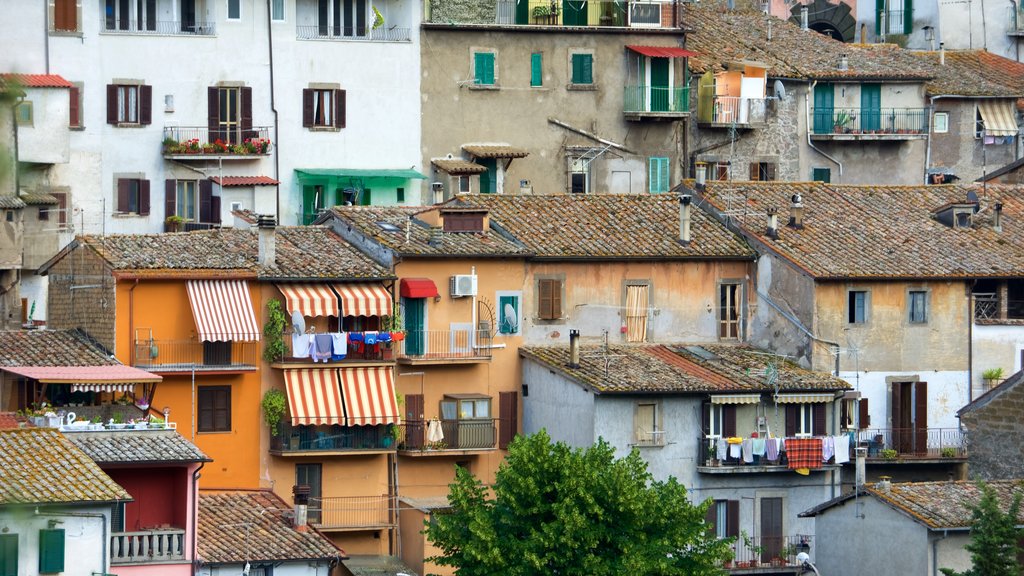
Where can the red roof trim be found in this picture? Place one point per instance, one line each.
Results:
(661, 51)
(36, 80)
(84, 374)
(229, 181)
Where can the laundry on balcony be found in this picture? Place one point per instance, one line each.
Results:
(804, 453)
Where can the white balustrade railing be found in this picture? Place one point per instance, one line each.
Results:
(147, 546)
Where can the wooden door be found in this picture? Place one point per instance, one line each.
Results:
(660, 90)
(415, 428)
(920, 423)
(415, 339)
(574, 13)
(824, 98)
(771, 528)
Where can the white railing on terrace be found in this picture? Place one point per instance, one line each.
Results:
(148, 546)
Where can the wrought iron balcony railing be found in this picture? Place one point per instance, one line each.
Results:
(158, 27)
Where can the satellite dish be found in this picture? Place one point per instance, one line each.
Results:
(298, 323)
(780, 90)
(509, 316)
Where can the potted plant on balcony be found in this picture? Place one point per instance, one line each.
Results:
(541, 13)
(273, 409)
(992, 377)
(390, 436)
(889, 453)
(174, 223)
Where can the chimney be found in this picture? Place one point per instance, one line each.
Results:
(773, 223)
(300, 495)
(844, 63)
(684, 218)
(884, 484)
(436, 234)
(997, 217)
(803, 18)
(574, 348)
(796, 212)
(267, 239)
(859, 470)
(942, 53)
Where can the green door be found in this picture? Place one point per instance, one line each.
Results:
(522, 11)
(871, 107)
(824, 97)
(313, 202)
(415, 339)
(489, 179)
(660, 91)
(574, 13)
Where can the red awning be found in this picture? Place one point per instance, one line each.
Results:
(661, 51)
(112, 374)
(418, 288)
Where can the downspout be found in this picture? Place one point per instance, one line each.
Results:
(970, 343)
(935, 552)
(131, 323)
(195, 519)
(273, 109)
(46, 35)
(14, 122)
(103, 521)
(807, 107)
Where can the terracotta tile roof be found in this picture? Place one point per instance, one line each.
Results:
(41, 466)
(49, 348)
(721, 36)
(495, 151)
(302, 252)
(655, 368)
(974, 73)
(936, 505)
(457, 166)
(230, 181)
(222, 537)
(607, 226)
(879, 231)
(368, 220)
(9, 420)
(32, 199)
(144, 446)
(11, 202)
(36, 80)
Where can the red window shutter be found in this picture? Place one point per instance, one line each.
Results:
(213, 111)
(729, 420)
(111, 104)
(205, 201)
(865, 417)
(123, 192)
(792, 415)
(754, 171)
(74, 116)
(415, 428)
(144, 197)
(246, 109)
(170, 197)
(307, 107)
(145, 104)
(508, 426)
(339, 108)
(732, 523)
(818, 419)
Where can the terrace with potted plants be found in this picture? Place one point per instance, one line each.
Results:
(185, 142)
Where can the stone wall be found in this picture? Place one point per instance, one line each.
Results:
(81, 295)
(994, 429)
(462, 11)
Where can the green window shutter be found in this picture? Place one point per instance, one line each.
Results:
(508, 315)
(536, 69)
(908, 16)
(51, 551)
(8, 555)
(658, 175)
(582, 69)
(879, 8)
(483, 66)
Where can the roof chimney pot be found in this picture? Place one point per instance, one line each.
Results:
(803, 18)
(266, 231)
(844, 63)
(574, 348)
(796, 212)
(773, 223)
(997, 217)
(884, 484)
(942, 53)
(685, 207)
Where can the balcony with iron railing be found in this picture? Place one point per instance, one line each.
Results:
(653, 102)
(708, 461)
(416, 437)
(990, 309)
(604, 13)
(733, 111)
(158, 27)
(868, 124)
(366, 33)
(357, 351)
(349, 513)
(162, 356)
(200, 142)
(896, 445)
(298, 440)
(444, 347)
(147, 547)
(768, 553)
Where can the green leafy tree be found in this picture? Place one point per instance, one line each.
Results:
(994, 537)
(559, 510)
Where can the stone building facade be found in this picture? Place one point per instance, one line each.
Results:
(994, 423)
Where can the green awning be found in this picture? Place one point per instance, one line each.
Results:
(311, 173)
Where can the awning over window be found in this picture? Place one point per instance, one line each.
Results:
(662, 51)
(309, 299)
(999, 117)
(805, 397)
(314, 173)
(364, 299)
(114, 374)
(314, 396)
(418, 288)
(223, 310)
(369, 395)
(736, 399)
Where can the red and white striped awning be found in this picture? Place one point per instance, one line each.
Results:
(369, 395)
(223, 310)
(364, 299)
(314, 396)
(309, 299)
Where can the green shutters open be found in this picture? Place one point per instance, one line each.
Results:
(8, 555)
(582, 68)
(483, 68)
(536, 69)
(51, 551)
(658, 175)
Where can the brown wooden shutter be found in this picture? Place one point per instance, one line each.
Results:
(896, 406)
(754, 171)
(705, 418)
(771, 171)
(222, 408)
(144, 197)
(732, 522)
(123, 192)
(205, 201)
(205, 403)
(818, 419)
(213, 112)
(556, 299)
(508, 412)
(792, 415)
(920, 417)
(246, 109)
(414, 421)
(711, 516)
(340, 108)
(145, 104)
(307, 107)
(729, 420)
(844, 414)
(215, 209)
(170, 197)
(111, 104)
(74, 116)
(544, 289)
(865, 417)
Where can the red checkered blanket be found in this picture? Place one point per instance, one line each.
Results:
(803, 452)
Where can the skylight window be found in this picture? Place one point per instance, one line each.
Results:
(388, 227)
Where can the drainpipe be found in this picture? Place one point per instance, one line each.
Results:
(807, 107)
(935, 552)
(273, 109)
(46, 35)
(970, 342)
(103, 521)
(195, 507)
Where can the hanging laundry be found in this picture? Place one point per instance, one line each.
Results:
(828, 448)
(758, 446)
(803, 452)
(339, 345)
(771, 449)
(300, 345)
(842, 447)
(370, 338)
(322, 351)
(734, 451)
(748, 453)
(384, 337)
(721, 446)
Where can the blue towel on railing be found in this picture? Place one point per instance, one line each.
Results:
(355, 336)
(370, 338)
(384, 337)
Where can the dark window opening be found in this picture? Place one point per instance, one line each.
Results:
(857, 307)
(214, 409)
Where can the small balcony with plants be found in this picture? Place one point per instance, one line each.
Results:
(361, 21)
(861, 124)
(567, 13)
(910, 445)
(198, 142)
(446, 437)
(656, 102)
(768, 554)
(157, 18)
(734, 458)
(289, 440)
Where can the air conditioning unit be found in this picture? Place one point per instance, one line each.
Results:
(463, 285)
